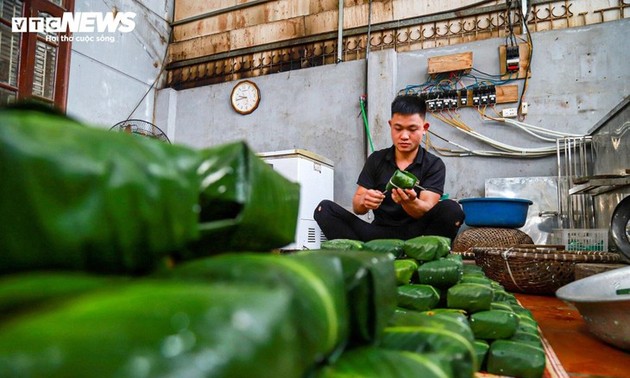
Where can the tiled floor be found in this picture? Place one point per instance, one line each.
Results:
(580, 353)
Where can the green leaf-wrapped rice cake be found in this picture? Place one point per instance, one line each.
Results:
(405, 270)
(441, 273)
(427, 247)
(316, 284)
(449, 345)
(417, 297)
(393, 246)
(402, 180)
(158, 329)
(370, 290)
(75, 197)
(516, 359)
(371, 362)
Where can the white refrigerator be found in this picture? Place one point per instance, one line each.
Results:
(315, 174)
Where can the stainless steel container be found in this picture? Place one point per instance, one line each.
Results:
(604, 304)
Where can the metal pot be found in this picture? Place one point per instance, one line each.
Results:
(604, 304)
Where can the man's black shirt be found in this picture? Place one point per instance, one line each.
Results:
(379, 168)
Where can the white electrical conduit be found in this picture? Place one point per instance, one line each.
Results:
(506, 147)
(468, 152)
(541, 130)
(532, 133)
(536, 131)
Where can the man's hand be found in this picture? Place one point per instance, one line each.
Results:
(403, 196)
(372, 199)
(414, 205)
(365, 200)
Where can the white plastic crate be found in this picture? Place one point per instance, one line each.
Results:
(582, 239)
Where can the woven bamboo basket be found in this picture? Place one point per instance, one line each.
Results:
(487, 237)
(535, 269)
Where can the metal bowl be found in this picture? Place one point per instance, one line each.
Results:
(604, 302)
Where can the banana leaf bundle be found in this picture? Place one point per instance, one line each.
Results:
(158, 329)
(441, 273)
(393, 246)
(342, 244)
(449, 320)
(474, 270)
(470, 297)
(402, 180)
(370, 291)
(501, 306)
(28, 292)
(372, 362)
(516, 359)
(448, 345)
(500, 295)
(527, 337)
(481, 349)
(417, 297)
(527, 330)
(316, 285)
(245, 204)
(427, 247)
(83, 198)
(526, 321)
(473, 278)
(494, 324)
(405, 270)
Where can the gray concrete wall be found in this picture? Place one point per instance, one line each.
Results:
(314, 109)
(578, 76)
(109, 79)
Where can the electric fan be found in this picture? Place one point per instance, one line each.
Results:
(140, 127)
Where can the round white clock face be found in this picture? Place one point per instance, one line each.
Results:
(245, 97)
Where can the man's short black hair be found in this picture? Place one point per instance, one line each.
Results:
(409, 104)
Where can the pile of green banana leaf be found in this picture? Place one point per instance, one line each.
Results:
(82, 198)
(319, 313)
(451, 312)
(92, 215)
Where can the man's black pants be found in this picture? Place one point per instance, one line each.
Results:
(444, 219)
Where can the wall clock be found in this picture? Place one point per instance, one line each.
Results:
(245, 97)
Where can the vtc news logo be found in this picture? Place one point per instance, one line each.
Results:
(79, 22)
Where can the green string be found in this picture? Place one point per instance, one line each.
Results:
(365, 122)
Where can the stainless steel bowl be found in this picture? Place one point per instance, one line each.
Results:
(602, 304)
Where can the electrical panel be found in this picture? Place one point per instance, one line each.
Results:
(451, 68)
(447, 72)
(483, 95)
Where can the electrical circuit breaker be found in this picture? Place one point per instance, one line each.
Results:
(492, 95)
(463, 97)
(476, 97)
(512, 58)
